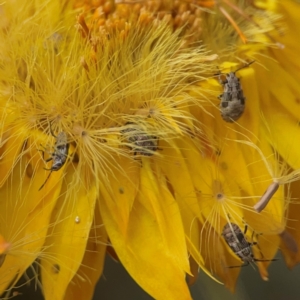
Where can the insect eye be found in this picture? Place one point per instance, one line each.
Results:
(224, 104)
(240, 236)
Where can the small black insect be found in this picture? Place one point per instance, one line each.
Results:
(142, 142)
(238, 243)
(232, 103)
(60, 154)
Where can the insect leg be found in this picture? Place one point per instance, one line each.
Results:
(246, 228)
(219, 74)
(43, 153)
(256, 243)
(46, 179)
(45, 160)
(49, 169)
(49, 159)
(246, 263)
(223, 82)
(51, 131)
(253, 244)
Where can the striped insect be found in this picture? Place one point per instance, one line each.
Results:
(238, 243)
(59, 155)
(142, 142)
(232, 103)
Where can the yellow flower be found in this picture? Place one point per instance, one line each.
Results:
(112, 139)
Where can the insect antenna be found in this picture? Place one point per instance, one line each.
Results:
(258, 259)
(245, 66)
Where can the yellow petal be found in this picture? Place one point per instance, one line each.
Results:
(284, 134)
(83, 284)
(191, 279)
(122, 188)
(4, 246)
(266, 250)
(153, 189)
(283, 89)
(292, 257)
(142, 252)
(11, 145)
(25, 214)
(67, 236)
(174, 164)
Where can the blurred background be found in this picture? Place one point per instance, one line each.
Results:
(116, 284)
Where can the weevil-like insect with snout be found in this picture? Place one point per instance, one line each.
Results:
(142, 142)
(232, 103)
(59, 155)
(238, 243)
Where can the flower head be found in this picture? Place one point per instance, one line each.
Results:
(112, 138)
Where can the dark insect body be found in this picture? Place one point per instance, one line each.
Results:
(143, 143)
(232, 103)
(59, 155)
(238, 243)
